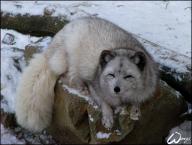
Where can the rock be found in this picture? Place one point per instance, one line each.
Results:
(36, 25)
(123, 125)
(159, 115)
(29, 51)
(70, 118)
(8, 137)
(8, 119)
(77, 121)
(48, 11)
(8, 39)
(179, 81)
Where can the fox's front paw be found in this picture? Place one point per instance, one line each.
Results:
(107, 121)
(135, 113)
(107, 116)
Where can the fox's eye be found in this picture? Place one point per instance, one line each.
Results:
(128, 76)
(111, 75)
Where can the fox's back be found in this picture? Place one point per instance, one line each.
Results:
(84, 39)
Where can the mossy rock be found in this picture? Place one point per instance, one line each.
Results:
(179, 81)
(37, 25)
(123, 125)
(159, 115)
(69, 124)
(77, 121)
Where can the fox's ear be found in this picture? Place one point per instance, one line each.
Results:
(105, 57)
(139, 59)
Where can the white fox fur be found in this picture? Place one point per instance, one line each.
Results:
(75, 51)
(35, 95)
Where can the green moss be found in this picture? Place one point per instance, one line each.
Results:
(35, 25)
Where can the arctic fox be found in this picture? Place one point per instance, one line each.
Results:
(92, 53)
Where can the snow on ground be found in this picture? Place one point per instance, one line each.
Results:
(20, 40)
(7, 137)
(166, 23)
(12, 64)
(177, 62)
(19, 135)
(10, 74)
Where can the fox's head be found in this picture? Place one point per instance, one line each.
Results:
(121, 73)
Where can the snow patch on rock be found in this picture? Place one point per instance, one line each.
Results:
(101, 135)
(7, 137)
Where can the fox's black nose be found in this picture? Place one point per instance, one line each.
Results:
(117, 89)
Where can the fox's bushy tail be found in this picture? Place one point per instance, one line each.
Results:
(35, 92)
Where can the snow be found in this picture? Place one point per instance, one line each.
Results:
(75, 92)
(20, 40)
(12, 64)
(79, 94)
(178, 94)
(189, 110)
(101, 135)
(9, 77)
(7, 137)
(91, 118)
(166, 23)
(118, 132)
(173, 59)
(13, 136)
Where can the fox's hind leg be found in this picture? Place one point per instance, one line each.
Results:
(58, 63)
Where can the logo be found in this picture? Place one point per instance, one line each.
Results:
(176, 138)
